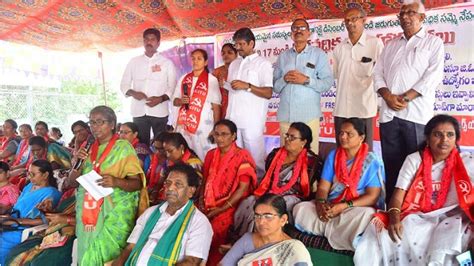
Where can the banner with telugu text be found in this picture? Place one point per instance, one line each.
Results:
(454, 96)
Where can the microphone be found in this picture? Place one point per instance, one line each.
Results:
(185, 92)
(90, 140)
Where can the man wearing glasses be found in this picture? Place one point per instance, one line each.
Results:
(406, 76)
(301, 74)
(250, 87)
(354, 61)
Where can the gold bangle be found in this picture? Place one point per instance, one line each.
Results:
(228, 203)
(394, 209)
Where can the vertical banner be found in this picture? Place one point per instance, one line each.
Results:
(454, 96)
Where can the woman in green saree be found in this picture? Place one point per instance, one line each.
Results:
(104, 225)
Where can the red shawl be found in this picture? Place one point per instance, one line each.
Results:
(419, 195)
(222, 174)
(272, 177)
(190, 117)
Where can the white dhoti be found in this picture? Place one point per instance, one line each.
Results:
(341, 231)
(433, 238)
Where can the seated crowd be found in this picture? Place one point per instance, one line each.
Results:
(219, 212)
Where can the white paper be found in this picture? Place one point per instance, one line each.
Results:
(227, 85)
(89, 182)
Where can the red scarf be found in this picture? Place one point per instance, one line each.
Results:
(190, 118)
(222, 174)
(23, 147)
(152, 173)
(135, 142)
(91, 207)
(272, 177)
(350, 180)
(419, 195)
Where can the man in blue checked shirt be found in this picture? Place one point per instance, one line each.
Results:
(300, 76)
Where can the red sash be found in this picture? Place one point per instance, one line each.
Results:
(152, 173)
(350, 180)
(222, 174)
(23, 147)
(273, 175)
(419, 195)
(5, 145)
(135, 142)
(91, 207)
(190, 118)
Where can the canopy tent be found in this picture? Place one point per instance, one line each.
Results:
(81, 25)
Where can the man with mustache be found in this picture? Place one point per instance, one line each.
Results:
(354, 61)
(173, 232)
(250, 87)
(301, 74)
(150, 80)
(406, 76)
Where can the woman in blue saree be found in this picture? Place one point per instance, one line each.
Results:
(25, 214)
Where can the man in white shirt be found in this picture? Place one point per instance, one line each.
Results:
(175, 231)
(406, 76)
(250, 86)
(354, 61)
(150, 80)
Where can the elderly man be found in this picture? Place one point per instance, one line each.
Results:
(175, 232)
(250, 87)
(406, 76)
(150, 80)
(301, 74)
(354, 61)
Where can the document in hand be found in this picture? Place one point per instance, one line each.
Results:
(89, 182)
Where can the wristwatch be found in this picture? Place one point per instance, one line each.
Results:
(307, 81)
(406, 99)
(249, 89)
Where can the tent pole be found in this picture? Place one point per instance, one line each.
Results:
(103, 77)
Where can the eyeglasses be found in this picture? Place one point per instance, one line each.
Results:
(409, 13)
(98, 122)
(439, 134)
(298, 28)
(353, 19)
(124, 132)
(266, 216)
(291, 137)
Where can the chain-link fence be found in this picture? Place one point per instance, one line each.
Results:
(28, 104)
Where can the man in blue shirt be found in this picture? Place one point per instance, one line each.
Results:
(301, 74)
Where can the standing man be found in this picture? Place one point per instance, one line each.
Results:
(354, 61)
(250, 87)
(150, 80)
(301, 75)
(406, 76)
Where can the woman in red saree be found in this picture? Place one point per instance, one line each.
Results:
(430, 215)
(229, 176)
(228, 54)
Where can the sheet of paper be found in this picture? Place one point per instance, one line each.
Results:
(89, 182)
(227, 85)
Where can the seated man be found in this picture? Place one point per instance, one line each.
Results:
(158, 236)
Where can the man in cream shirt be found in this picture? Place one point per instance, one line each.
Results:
(354, 61)
(250, 86)
(150, 80)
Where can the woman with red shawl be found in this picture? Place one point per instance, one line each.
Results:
(229, 176)
(430, 214)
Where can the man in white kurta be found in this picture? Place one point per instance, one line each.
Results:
(406, 76)
(250, 82)
(354, 61)
(149, 79)
(180, 185)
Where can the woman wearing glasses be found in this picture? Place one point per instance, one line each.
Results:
(269, 241)
(129, 132)
(102, 226)
(350, 185)
(430, 215)
(229, 176)
(290, 172)
(42, 187)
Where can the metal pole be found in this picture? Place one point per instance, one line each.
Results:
(103, 77)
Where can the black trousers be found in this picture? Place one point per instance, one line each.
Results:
(146, 122)
(399, 138)
(369, 131)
